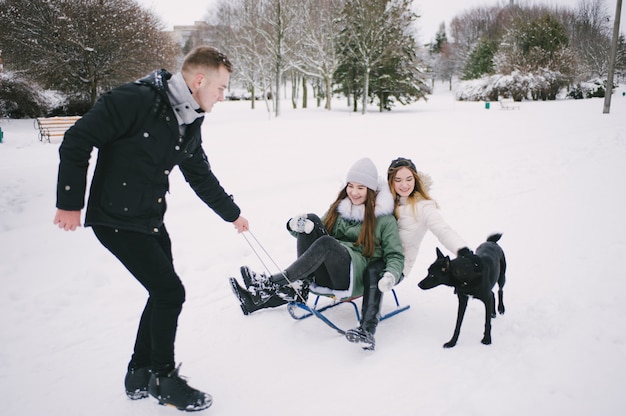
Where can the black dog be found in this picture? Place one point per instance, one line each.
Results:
(471, 275)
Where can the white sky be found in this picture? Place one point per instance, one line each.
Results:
(433, 12)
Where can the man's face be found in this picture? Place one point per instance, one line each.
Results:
(208, 88)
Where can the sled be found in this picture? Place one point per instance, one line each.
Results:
(301, 310)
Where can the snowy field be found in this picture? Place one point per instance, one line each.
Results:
(548, 176)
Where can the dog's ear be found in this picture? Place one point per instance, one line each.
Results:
(439, 253)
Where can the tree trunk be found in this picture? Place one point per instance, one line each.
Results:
(304, 92)
(294, 89)
(366, 86)
(329, 92)
(276, 95)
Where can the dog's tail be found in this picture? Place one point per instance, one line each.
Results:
(494, 237)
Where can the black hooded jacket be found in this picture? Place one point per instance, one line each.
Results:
(138, 140)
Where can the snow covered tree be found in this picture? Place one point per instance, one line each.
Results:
(620, 61)
(443, 60)
(590, 37)
(375, 34)
(536, 43)
(480, 60)
(261, 40)
(317, 55)
(475, 37)
(243, 40)
(441, 39)
(538, 46)
(82, 47)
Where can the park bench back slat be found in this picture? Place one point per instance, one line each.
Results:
(54, 126)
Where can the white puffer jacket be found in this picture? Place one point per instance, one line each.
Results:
(414, 221)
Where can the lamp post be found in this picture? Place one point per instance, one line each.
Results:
(612, 58)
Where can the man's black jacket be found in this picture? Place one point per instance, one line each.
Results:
(137, 136)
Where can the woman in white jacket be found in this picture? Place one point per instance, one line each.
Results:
(417, 212)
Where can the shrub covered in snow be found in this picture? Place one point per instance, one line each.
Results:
(541, 85)
(590, 89)
(22, 98)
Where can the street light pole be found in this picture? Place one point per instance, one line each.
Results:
(612, 58)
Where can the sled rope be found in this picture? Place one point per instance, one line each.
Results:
(281, 270)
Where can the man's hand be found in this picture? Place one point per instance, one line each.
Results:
(67, 220)
(241, 224)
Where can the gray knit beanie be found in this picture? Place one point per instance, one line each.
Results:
(364, 172)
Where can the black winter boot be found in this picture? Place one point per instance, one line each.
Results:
(136, 382)
(245, 299)
(250, 278)
(372, 297)
(362, 337)
(297, 291)
(171, 390)
(364, 333)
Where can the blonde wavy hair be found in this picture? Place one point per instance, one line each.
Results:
(422, 183)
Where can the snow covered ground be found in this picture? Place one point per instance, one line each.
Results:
(548, 176)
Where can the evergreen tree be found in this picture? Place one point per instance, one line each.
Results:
(441, 40)
(480, 61)
(378, 48)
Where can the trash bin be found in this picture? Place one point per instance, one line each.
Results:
(487, 105)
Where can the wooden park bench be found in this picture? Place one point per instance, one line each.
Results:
(53, 126)
(509, 104)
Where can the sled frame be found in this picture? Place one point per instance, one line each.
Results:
(296, 309)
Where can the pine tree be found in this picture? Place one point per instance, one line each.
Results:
(378, 49)
(480, 61)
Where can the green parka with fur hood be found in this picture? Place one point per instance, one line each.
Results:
(387, 240)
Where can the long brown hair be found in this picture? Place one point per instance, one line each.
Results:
(366, 237)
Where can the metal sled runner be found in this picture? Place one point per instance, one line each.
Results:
(301, 310)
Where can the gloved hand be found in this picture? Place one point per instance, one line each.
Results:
(301, 224)
(386, 283)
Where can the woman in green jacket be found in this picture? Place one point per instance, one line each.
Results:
(359, 230)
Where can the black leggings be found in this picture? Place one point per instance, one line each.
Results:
(321, 258)
(149, 259)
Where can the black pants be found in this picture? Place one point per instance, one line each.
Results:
(321, 258)
(149, 259)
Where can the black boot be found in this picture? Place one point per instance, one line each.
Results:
(136, 382)
(372, 297)
(250, 278)
(364, 333)
(362, 337)
(246, 302)
(172, 390)
(262, 287)
(297, 291)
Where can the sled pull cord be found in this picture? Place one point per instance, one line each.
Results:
(258, 243)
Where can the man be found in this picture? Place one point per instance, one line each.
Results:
(142, 130)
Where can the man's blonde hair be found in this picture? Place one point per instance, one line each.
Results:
(205, 57)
